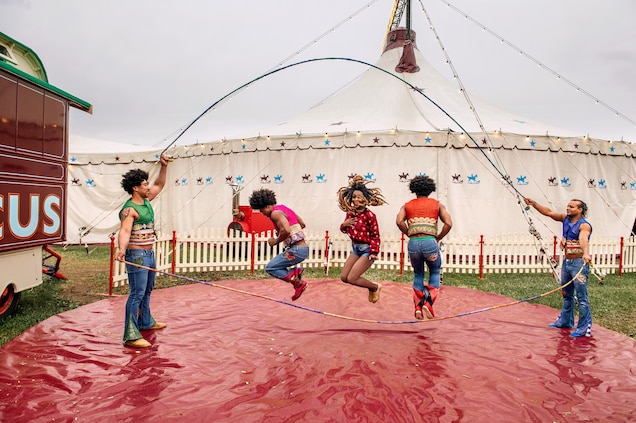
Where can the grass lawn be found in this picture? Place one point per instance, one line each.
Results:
(613, 303)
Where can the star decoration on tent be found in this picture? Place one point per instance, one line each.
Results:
(282, 143)
(532, 143)
(306, 178)
(576, 145)
(601, 183)
(73, 159)
(327, 141)
(376, 140)
(484, 142)
(612, 148)
(117, 158)
(428, 140)
(208, 180)
(403, 177)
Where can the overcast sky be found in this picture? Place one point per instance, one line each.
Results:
(149, 67)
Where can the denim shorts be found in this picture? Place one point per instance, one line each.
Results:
(361, 250)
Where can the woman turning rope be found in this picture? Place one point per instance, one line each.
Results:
(418, 219)
(362, 227)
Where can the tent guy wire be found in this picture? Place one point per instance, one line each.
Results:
(539, 63)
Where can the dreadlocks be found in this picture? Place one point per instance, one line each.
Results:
(373, 196)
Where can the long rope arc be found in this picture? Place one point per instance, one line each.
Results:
(356, 319)
(347, 59)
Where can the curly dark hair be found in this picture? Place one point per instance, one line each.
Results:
(133, 178)
(262, 198)
(373, 196)
(422, 185)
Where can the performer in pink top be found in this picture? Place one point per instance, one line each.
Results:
(289, 228)
(362, 227)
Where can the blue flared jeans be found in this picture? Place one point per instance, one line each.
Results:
(569, 270)
(421, 251)
(141, 283)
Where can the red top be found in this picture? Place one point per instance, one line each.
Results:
(365, 230)
(421, 216)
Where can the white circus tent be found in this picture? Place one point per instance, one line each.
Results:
(383, 126)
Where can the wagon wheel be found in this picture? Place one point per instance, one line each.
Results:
(8, 302)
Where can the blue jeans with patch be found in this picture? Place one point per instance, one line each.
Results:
(569, 269)
(421, 251)
(278, 266)
(141, 283)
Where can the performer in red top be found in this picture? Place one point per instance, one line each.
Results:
(362, 227)
(418, 219)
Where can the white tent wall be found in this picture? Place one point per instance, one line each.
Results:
(95, 195)
(306, 172)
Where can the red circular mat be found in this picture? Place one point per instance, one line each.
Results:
(227, 356)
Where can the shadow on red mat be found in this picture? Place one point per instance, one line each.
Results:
(227, 356)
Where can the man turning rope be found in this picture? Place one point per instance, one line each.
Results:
(135, 244)
(575, 243)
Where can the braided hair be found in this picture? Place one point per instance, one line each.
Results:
(373, 196)
(583, 207)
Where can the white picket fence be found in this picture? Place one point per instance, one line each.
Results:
(209, 250)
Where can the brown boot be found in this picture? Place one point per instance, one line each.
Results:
(138, 343)
(157, 325)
